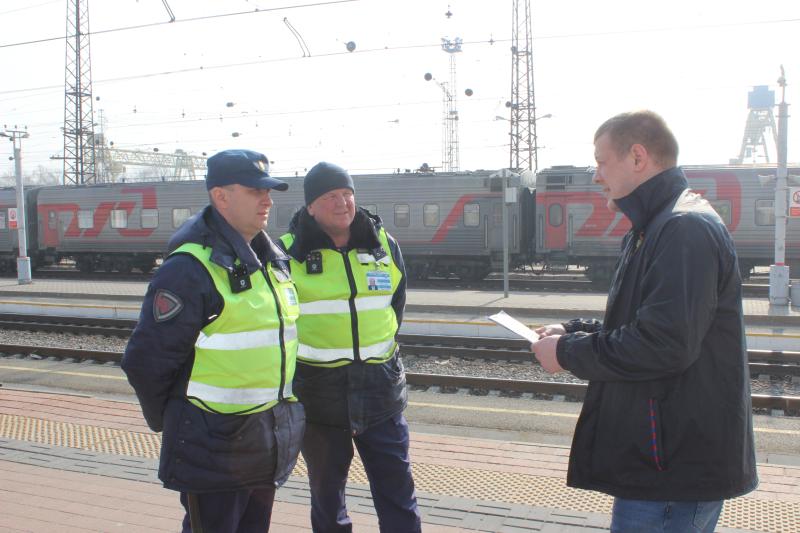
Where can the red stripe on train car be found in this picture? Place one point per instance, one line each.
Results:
(452, 217)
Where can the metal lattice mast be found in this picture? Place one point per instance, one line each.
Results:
(79, 157)
(760, 118)
(450, 157)
(452, 137)
(524, 148)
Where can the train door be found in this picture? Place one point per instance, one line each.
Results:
(56, 222)
(555, 234)
(494, 224)
(52, 229)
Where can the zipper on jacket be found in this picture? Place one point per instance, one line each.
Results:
(352, 303)
(280, 332)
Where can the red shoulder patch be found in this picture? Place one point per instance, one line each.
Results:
(166, 305)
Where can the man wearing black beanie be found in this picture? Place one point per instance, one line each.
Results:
(351, 282)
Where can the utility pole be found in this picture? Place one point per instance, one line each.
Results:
(779, 272)
(509, 197)
(23, 261)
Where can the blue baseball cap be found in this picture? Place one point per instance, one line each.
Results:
(245, 167)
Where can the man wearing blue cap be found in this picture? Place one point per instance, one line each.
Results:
(212, 358)
(352, 286)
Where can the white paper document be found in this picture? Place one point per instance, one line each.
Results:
(515, 326)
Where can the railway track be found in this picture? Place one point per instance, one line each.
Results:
(488, 348)
(761, 362)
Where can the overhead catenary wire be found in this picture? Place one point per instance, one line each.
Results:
(176, 21)
(491, 40)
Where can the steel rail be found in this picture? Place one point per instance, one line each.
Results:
(489, 348)
(571, 390)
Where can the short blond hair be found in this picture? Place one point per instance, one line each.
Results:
(641, 127)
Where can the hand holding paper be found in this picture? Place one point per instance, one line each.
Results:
(544, 348)
(515, 326)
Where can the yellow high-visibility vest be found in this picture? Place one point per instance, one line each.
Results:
(245, 359)
(346, 311)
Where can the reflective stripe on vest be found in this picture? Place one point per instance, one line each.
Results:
(327, 322)
(366, 303)
(240, 361)
(245, 340)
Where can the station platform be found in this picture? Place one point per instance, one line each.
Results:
(571, 304)
(428, 311)
(77, 463)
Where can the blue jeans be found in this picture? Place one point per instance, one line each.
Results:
(642, 516)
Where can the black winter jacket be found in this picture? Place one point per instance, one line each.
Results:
(203, 451)
(667, 414)
(357, 395)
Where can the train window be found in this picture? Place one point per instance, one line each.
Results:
(555, 214)
(372, 208)
(556, 183)
(723, 209)
(86, 219)
(430, 215)
(149, 218)
(472, 215)
(402, 215)
(285, 214)
(119, 218)
(180, 215)
(765, 212)
(3, 219)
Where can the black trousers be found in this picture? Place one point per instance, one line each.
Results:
(243, 511)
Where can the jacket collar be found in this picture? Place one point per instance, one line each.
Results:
(309, 236)
(641, 205)
(209, 228)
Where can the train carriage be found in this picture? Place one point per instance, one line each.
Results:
(447, 224)
(575, 226)
(112, 226)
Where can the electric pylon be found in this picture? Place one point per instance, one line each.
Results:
(450, 158)
(524, 147)
(79, 157)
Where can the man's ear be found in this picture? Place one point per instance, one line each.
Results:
(640, 156)
(219, 196)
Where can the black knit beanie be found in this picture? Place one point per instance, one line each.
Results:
(324, 177)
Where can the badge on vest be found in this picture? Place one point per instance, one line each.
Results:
(378, 280)
(291, 295)
(239, 279)
(314, 263)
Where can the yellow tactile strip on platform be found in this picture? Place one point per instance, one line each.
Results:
(91, 438)
(524, 489)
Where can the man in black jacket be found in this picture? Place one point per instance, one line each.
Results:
(666, 426)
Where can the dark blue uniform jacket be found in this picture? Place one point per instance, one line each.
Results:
(667, 415)
(203, 451)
